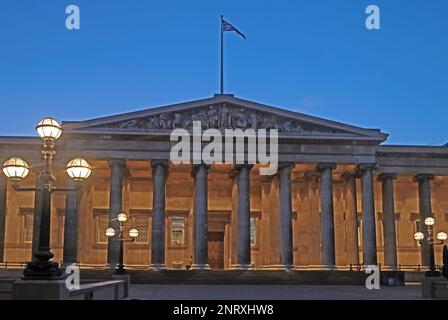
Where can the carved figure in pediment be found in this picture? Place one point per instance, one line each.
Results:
(202, 117)
(267, 123)
(177, 121)
(213, 117)
(131, 124)
(289, 126)
(240, 120)
(165, 121)
(153, 123)
(224, 117)
(253, 120)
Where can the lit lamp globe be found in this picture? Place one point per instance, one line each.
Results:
(110, 232)
(419, 236)
(49, 129)
(442, 236)
(16, 169)
(122, 217)
(430, 221)
(79, 169)
(133, 233)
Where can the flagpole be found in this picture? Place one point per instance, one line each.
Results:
(222, 57)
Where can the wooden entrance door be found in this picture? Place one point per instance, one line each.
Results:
(216, 250)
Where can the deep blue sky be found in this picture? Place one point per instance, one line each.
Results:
(313, 56)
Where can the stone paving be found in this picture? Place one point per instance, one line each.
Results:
(272, 292)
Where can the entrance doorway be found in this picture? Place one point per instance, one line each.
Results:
(216, 250)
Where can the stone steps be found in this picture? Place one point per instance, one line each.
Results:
(235, 277)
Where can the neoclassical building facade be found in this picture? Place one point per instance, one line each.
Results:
(340, 197)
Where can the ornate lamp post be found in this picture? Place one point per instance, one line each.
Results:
(17, 169)
(431, 242)
(110, 233)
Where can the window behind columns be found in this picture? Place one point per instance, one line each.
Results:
(255, 217)
(253, 231)
(27, 224)
(60, 227)
(415, 218)
(141, 223)
(101, 216)
(360, 230)
(102, 223)
(177, 231)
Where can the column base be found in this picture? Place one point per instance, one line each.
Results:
(64, 266)
(241, 267)
(157, 267)
(319, 267)
(196, 267)
(389, 268)
(278, 267)
(112, 266)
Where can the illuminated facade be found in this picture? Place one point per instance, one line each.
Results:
(340, 197)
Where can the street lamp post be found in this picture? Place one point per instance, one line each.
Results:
(17, 169)
(110, 233)
(430, 241)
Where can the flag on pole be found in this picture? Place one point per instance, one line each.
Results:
(226, 26)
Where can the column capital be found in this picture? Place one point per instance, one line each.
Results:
(286, 164)
(386, 176)
(326, 165)
(157, 162)
(423, 177)
(117, 162)
(195, 167)
(246, 165)
(237, 168)
(362, 167)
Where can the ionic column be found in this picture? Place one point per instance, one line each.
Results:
(327, 214)
(243, 216)
(351, 218)
(368, 214)
(390, 234)
(3, 197)
(70, 254)
(425, 208)
(115, 208)
(159, 175)
(200, 255)
(286, 234)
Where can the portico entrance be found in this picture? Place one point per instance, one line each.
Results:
(216, 250)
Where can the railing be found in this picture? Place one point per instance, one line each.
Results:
(417, 267)
(88, 290)
(359, 267)
(401, 267)
(13, 264)
(351, 267)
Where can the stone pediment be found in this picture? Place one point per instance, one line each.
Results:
(219, 116)
(222, 112)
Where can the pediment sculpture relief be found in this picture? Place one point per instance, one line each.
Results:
(221, 116)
